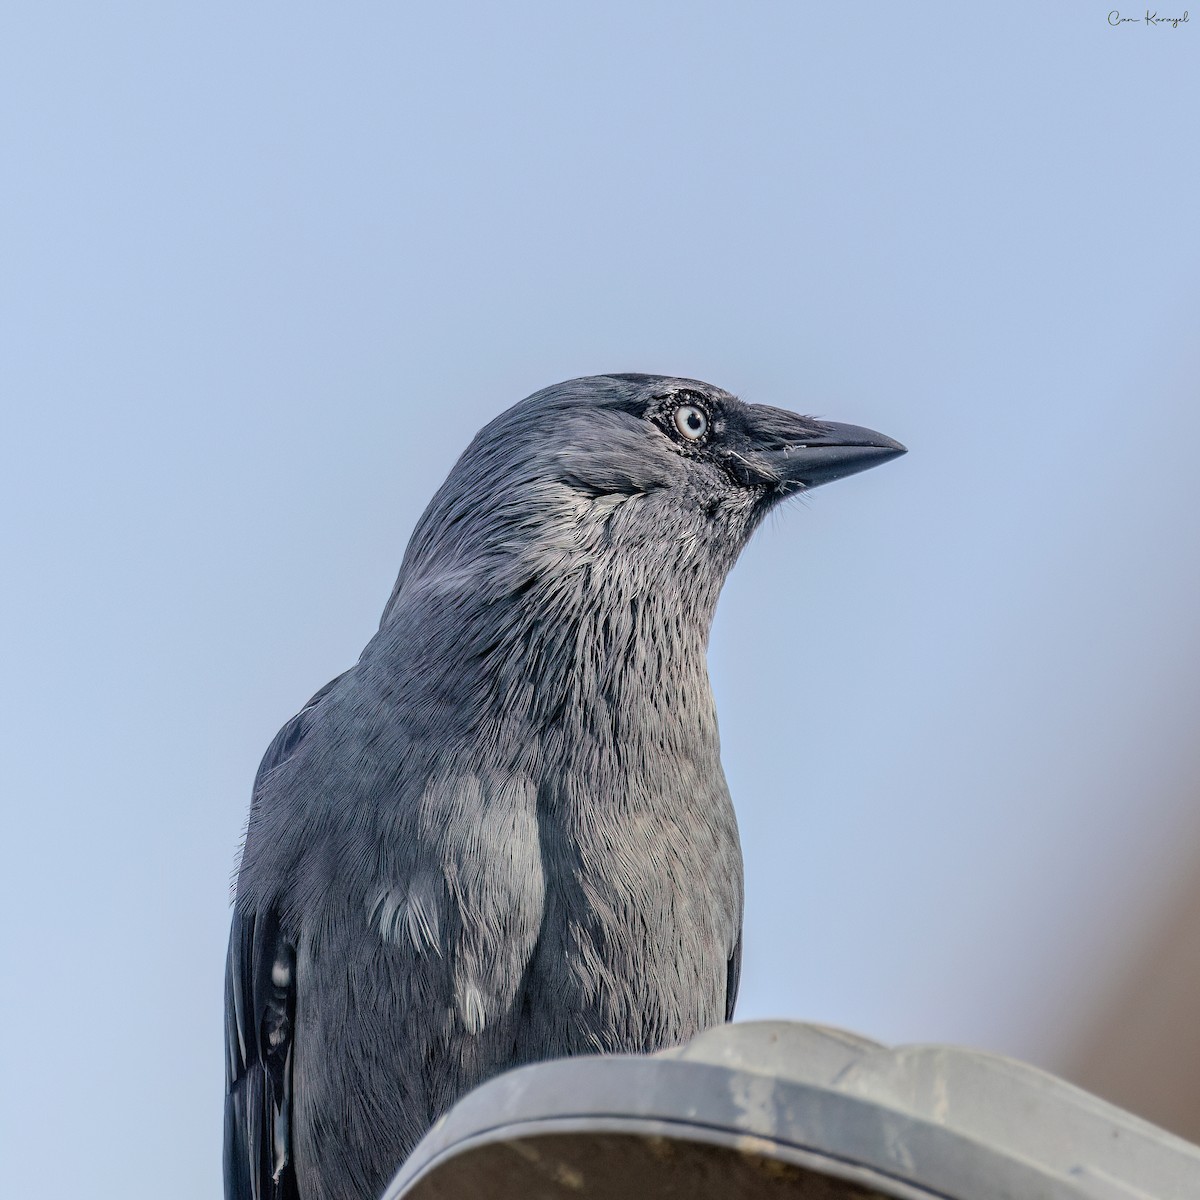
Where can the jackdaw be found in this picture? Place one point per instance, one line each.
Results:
(504, 834)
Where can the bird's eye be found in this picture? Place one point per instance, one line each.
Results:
(691, 421)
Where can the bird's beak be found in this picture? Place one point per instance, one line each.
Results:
(805, 453)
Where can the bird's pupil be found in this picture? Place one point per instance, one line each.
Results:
(693, 419)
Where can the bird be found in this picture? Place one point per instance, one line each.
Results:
(504, 835)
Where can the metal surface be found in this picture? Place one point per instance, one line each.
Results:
(767, 1110)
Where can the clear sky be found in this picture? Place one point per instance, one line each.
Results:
(266, 268)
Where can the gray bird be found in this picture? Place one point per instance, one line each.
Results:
(504, 834)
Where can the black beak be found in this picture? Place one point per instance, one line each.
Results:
(800, 452)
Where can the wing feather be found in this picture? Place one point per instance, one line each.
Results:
(733, 973)
(260, 1005)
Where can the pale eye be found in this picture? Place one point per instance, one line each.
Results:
(691, 421)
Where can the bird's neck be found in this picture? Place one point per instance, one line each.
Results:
(592, 656)
(630, 659)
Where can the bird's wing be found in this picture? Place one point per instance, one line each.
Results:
(258, 1028)
(733, 974)
(260, 1005)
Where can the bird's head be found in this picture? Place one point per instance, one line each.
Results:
(646, 473)
(579, 545)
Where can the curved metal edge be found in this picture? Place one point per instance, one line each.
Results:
(630, 1092)
(405, 1185)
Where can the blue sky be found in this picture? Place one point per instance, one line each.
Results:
(266, 269)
